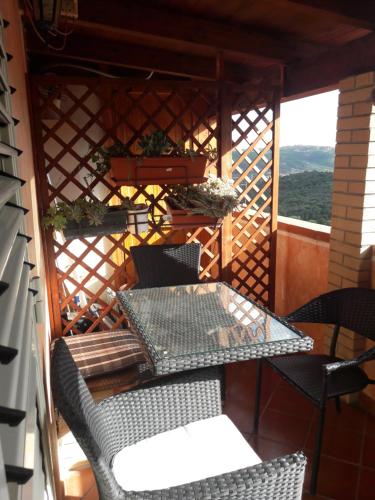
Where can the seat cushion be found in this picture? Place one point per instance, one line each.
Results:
(198, 450)
(102, 353)
(305, 371)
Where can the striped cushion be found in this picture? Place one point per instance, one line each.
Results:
(105, 352)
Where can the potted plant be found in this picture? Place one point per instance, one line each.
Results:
(87, 218)
(158, 162)
(202, 204)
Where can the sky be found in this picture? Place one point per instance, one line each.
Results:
(309, 121)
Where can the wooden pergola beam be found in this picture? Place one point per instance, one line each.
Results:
(356, 13)
(328, 69)
(114, 53)
(165, 29)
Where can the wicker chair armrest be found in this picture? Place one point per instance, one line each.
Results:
(281, 478)
(162, 405)
(342, 365)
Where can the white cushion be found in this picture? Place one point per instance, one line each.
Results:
(196, 451)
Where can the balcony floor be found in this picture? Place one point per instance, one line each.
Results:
(288, 424)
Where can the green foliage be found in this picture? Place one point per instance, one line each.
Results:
(62, 213)
(130, 205)
(155, 144)
(306, 196)
(158, 144)
(181, 151)
(101, 156)
(214, 198)
(56, 217)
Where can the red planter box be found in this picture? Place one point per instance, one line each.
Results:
(159, 170)
(181, 219)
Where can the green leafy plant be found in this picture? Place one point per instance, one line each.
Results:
(130, 204)
(208, 151)
(101, 156)
(214, 198)
(62, 213)
(158, 144)
(155, 144)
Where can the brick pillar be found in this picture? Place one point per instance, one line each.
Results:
(353, 202)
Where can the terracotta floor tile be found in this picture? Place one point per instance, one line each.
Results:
(366, 484)
(336, 480)
(268, 449)
(241, 381)
(370, 425)
(368, 458)
(240, 401)
(337, 442)
(287, 400)
(350, 417)
(307, 496)
(240, 414)
(284, 428)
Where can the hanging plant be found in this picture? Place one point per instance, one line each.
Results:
(87, 218)
(93, 211)
(158, 161)
(101, 156)
(202, 204)
(155, 144)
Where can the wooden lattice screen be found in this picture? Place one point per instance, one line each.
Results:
(255, 120)
(73, 116)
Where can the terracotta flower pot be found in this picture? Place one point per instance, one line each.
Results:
(114, 221)
(158, 170)
(181, 219)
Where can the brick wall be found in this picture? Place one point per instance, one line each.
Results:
(353, 202)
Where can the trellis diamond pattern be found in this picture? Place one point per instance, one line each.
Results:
(74, 117)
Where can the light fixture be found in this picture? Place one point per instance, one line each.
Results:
(47, 12)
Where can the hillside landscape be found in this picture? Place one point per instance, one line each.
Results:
(296, 159)
(306, 174)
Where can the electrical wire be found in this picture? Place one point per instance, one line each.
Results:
(54, 31)
(78, 66)
(90, 70)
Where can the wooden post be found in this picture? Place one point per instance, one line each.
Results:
(275, 198)
(225, 162)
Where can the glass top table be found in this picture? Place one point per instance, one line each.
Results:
(195, 326)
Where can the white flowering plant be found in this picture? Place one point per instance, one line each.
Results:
(215, 198)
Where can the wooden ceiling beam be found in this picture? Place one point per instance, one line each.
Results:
(102, 51)
(329, 68)
(155, 27)
(355, 13)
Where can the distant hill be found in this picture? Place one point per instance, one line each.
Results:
(306, 196)
(294, 159)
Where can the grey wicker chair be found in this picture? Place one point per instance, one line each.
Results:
(103, 429)
(166, 265)
(323, 377)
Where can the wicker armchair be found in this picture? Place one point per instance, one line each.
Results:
(117, 423)
(166, 265)
(323, 377)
